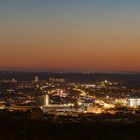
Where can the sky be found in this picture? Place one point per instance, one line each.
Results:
(70, 35)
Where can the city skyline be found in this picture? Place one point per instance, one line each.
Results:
(72, 35)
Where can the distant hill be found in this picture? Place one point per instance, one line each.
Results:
(131, 79)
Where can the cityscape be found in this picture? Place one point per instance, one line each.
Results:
(57, 96)
(59, 100)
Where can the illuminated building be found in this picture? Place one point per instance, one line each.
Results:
(121, 101)
(47, 100)
(134, 102)
(57, 80)
(36, 79)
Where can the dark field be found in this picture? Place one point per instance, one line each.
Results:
(34, 130)
(13, 128)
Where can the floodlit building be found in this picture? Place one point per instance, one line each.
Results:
(57, 80)
(134, 102)
(47, 100)
(36, 79)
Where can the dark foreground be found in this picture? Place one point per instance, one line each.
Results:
(26, 129)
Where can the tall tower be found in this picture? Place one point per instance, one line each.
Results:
(47, 100)
(36, 79)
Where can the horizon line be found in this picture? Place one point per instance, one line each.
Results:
(82, 72)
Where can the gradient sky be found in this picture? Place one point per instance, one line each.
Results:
(70, 35)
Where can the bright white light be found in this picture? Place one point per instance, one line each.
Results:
(79, 103)
(134, 102)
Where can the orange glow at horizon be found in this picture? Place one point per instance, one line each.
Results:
(81, 56)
